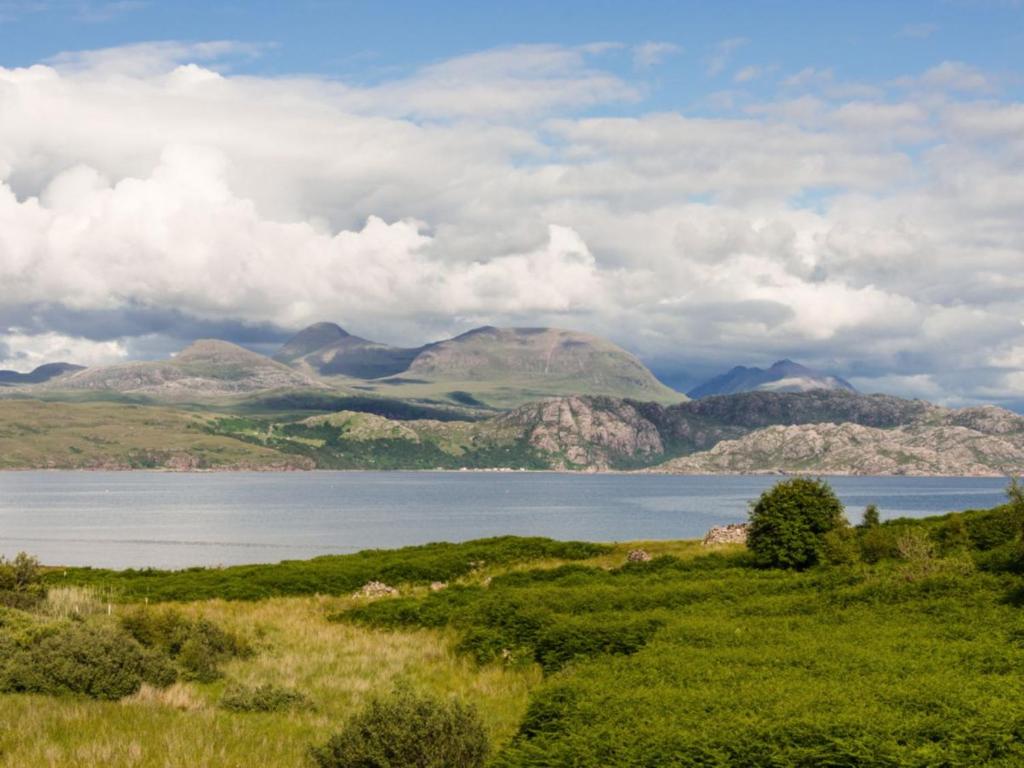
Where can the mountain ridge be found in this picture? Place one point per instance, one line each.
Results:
(783, 376)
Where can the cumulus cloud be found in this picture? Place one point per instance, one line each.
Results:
(35, 350)
(148, 195)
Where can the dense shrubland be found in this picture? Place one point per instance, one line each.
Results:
(328, 575)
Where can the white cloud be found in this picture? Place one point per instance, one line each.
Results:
(646, 55)
(35, 350)
(867, 223)
(748, 74)
(721, 55)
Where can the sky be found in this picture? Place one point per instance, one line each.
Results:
(706, 184)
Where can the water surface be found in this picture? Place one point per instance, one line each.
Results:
(168, 520)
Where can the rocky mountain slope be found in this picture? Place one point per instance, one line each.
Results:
(782, 376)
(858, 450)
(206, 369)
(488, 367)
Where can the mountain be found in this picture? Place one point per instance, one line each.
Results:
(493, 367)
(783, 376)
(207, 368)
(41, 374)
(326, 349)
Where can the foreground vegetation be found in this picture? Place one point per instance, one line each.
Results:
(889, 644)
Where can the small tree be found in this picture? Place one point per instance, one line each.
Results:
(406, 730)
(19, 574)
(871, 517)
(789, 522)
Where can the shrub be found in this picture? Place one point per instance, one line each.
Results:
(878, 544)
(262, 698)
(199, 646)
(19, 582)
(567, 640)
(100, 662)
(840, 546)
(406, 730)
(789, 521)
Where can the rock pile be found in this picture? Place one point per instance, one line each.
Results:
(734, 533)
(376, 589)
(638, 556)
(437, 586)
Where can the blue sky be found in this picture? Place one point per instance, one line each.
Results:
(370, 41)
(707, 184)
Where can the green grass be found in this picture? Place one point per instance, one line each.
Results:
(34, 434)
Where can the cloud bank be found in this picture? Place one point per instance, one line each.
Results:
(872, 228)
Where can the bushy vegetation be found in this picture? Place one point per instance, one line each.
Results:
(100, 662)
(198, 646)
(790, 522)
(329, 575)
(101, 658)
(914, 660)
(20, 582)
(406, 730)
(261, 698)
(900, 647)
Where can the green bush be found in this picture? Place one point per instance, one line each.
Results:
(331, 574)
(262, 698)
(101, 662)
(19, 573)
(568, 640)
(871, 517)
(788, 523)
(840, 546)
(406, 730)
(199, 647)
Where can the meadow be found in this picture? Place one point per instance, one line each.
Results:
(909, 653)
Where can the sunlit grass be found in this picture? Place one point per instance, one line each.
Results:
(335, 666)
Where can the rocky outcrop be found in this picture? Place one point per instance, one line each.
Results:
(374, 589)
(593, 433)
(857, 450)
(733, 533)
(638, 556)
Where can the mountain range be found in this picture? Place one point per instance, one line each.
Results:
(782, 376)
(487, 368)
(534, 398)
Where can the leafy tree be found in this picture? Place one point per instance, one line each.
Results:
(871, 517)
(789, 522)
(19, 574)
(406, 730)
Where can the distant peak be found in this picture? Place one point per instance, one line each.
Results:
(325, 329)
(207, 347)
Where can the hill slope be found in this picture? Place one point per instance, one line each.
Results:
(782, 376)
(39, 375)
(35, 435)
(207, 368)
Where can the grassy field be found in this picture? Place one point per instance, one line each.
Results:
(118, 435)
(913, 656)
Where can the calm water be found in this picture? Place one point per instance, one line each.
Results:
(135, 519)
